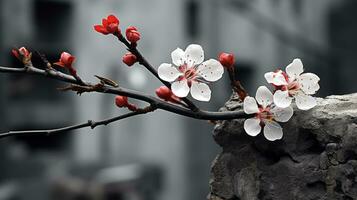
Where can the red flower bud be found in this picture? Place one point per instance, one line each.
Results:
(227, 60)
(22, 54)
(129, 59)
(166, 94)
(132, 34)
(163, 92)
(109, 25)
(66, 61)
(15, 53)
(122, 101)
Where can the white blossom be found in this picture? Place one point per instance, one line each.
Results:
(188, 72)
(294, 84)
(267, 115)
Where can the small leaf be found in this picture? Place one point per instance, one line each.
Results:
(107, 81)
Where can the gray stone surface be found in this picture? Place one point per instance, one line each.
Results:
(315, 160)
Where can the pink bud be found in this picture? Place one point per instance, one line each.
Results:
(121, 101)
(227, 60)
(166, 94)
(132, 34)
(24, 52)
(21, 53)
(129, 59)
(66, 61)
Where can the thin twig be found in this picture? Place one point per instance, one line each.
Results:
(236, 85)
(90, 123)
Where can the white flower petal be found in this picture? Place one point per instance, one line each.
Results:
(282, 114)
(272, 131)
(309, 83)
(200, 91)
(252, 126)
(194, 55)
(178, 57)
(250, 105)
(294, 69)
(305, 102)
(210, 70)
(180, 88)
(167, 72)
(263, 96)
(269, 77)
(282, 99)
(276, 78)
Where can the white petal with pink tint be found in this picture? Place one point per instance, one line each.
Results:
(275, 78)
(200, 91)
(250, 105)
(269, 77)
(252, 126)
(282, 114)
(309, 83)
(294, 69)
(180, 88)
(167, 72)
(194, 55)
(272, 130)
(210, 70)
(305, 102)
(263, 96)
(282, 99)
(178, 57)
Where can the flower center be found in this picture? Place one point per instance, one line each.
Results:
(264, 113)
(190, 73)
(292, 87)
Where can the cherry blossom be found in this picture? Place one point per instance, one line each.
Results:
(294, 84)
(189, 73)
(110, 25)
(267, 115)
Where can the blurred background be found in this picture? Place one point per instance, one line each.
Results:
(158, 156)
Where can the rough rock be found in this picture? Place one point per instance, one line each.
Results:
(315, 160)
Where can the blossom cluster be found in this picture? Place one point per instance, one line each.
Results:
(269, 108)
(188, 73)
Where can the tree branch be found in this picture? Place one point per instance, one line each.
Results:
(160, 104)
(90, 123)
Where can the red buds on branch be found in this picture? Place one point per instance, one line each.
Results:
(122, 102)
(129, 59)
(66, 61)
(227, 60)
(166, 94)
(22, 54)
(132, 34)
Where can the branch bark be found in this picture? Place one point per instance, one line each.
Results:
(155, 103)
(90, 123)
